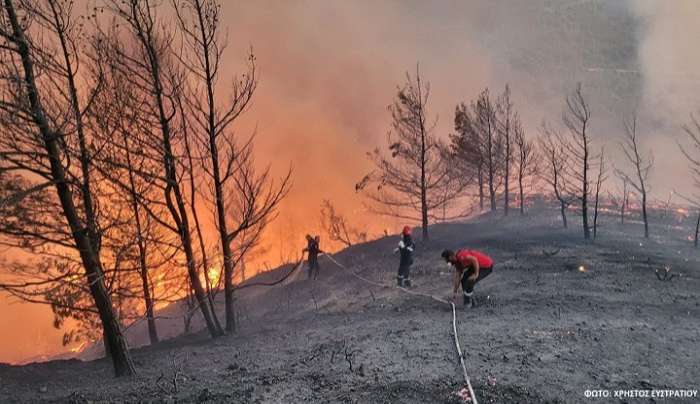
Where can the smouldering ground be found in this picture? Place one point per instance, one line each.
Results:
(544, 330)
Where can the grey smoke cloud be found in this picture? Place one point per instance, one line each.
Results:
(330, 68)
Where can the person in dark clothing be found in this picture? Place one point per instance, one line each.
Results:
(406, 247)
(470, 266)
(313, 248)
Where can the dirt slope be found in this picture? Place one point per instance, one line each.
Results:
(543, 331)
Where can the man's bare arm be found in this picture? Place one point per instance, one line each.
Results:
(475, 265)
(456, 281)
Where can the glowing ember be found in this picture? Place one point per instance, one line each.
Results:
(582, 269)
(78, 348)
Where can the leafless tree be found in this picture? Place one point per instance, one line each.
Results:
(557, 172)
(337, 228)
(506, 118)
(527, 161)
(412, 179)
(576, 118)
(42, 113)
(602, 176)
(227, 162)
(194, 182)
(642, 167)
(624, 200)
(692, 154)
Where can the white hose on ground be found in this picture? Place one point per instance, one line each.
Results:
(454, 319)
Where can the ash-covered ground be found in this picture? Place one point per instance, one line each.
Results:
(557, 317)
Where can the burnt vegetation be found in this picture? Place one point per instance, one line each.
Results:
(118, 140)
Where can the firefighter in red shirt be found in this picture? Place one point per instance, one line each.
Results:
(471, 266)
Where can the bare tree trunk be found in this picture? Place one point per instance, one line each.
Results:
(507, 186)
(191, 304)
(423, 179)
(584, 196)
(563, 214)
(551, 145)
(114, 338)
(224, 236)
(205, 259)
(186, 239)
(598, 186)
(527, 160)
(624, 203)
(195, 216)
(424, 191)
(481, 187)
(147, 298)
(644, 214)
(595, 217)
(227, 253)
(506, 107)
(522, 195)
(105, 343)
(140, 242)
(492, 175)
(642, 167)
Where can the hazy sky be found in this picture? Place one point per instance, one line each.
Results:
(329, 68)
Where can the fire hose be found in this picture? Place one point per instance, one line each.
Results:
(454, 318)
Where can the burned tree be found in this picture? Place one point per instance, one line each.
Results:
(149, 61)
(602, 176)
(623, 200)
(194, 182)
(252, 197)
(692, 154)
(641, 167)
(413, 178)
(557, 172)
(526, 161)
(485, 122)
(506, 119)
(337, 228)
(150, 273)
(42, 114)
(115, 121)
(576, 118)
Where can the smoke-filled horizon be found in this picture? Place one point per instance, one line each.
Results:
(328, 70)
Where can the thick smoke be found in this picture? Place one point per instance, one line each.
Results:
(329, 69)
(669, 60)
